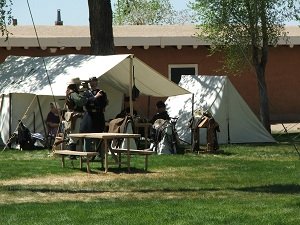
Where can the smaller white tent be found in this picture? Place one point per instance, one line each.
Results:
(238, 124)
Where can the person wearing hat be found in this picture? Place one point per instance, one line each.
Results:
(95, 107)
(161, 112)
(75, 103)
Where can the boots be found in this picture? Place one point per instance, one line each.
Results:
(72, 147)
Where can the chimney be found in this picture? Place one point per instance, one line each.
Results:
(14, 22)
(58, 21)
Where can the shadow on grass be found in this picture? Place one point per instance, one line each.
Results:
(133, 170)
(13, 188)
(274, 189)
(204, 152)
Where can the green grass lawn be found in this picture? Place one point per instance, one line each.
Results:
(248, 184)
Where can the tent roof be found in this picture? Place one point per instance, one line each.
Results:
(22, 74)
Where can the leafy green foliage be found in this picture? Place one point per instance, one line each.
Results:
(142, 12)
(243, 29)
(5, 16)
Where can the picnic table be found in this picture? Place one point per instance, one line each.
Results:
(107, 138)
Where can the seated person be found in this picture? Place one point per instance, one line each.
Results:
(53, 119)
(161, 112)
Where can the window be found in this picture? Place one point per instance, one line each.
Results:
(175, 71)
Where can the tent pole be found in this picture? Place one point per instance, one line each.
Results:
(33, 121)
(227, 111)
(130, 84)
(192, 130)
(193, 96)
(148, 111)
(10, 113)
(2, 102)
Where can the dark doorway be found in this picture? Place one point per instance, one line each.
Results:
(176, 73)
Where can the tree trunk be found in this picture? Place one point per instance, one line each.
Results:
(263, 97)
(261, 68)
(101, 31)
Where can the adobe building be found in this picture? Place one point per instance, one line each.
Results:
(173, 50)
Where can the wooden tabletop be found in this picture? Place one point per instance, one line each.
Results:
(104, 135)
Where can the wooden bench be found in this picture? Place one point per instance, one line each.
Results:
(143, 152)
(87, 155)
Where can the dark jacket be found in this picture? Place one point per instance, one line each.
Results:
(163, 115)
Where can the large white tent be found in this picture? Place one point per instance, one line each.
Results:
(238, 124)
(26, 93)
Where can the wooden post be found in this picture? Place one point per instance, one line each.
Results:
(130, 84)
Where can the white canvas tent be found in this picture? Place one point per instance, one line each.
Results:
(238, 124)
(24, 85)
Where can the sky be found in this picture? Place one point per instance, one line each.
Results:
(73, 12)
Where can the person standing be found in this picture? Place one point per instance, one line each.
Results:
(53, 122)
(95, 108)
(73, 117)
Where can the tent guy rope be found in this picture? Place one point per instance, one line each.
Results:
(38, 40)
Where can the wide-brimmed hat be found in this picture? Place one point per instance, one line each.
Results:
(75, 81)
(160, 104)
(93, 79)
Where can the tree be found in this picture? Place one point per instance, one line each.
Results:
(243, 30)
(5, 16)
(142, 12)
(101, 31)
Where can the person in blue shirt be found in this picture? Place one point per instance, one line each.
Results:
(94, 119)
